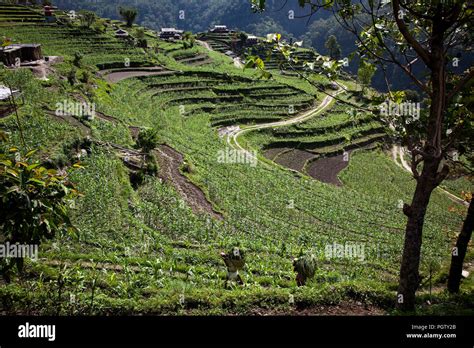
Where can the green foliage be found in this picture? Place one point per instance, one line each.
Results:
(71, 76)
(365, 73)
(147, 139)
(188, 40)
(77, 60)
(128, 14)
(85, 76)
(139, 33)
(305, 264)
(333, 47)
(34, 201)
(258, 64)
(151, 246)
(87, 18)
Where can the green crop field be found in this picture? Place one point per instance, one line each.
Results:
(153, 247)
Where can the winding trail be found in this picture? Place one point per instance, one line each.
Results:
(398, 152)
(204, 44)
(236, 131)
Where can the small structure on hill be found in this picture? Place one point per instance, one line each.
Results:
(6, 93)
(230, 54)
(171, 34)
(220, 29)
(49, 13)
(251, 40)
(16, 54)
(121, 33)
(7, 103)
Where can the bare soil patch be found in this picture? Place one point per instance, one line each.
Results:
(170, 162)
(294, 159)
(326, 169)
(271, 154)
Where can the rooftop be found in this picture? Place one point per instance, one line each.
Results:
(171, 30)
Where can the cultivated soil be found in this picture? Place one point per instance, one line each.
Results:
(327, 169)
(170, 162)
(294, 159)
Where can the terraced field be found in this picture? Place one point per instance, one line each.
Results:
(276, 61)
(147, 248)
(321, 147)
(102, 50)
(12, 13)
(220, 42)
(227, 99)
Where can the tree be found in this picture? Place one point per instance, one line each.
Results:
(365, 73)
(188, 40)
(459, 251)
(87, 18)
(34, 203)
(333, 47)
(147, 139)
(401, 33)
(140, 38)
(128, 14)
(77, 59)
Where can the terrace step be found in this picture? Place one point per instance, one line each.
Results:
(357, 143)
(302, 132)
(315, 145)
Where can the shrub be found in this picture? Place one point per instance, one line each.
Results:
(71, 76)
(147, 139)
(87, 18)
(33, 203)
(77, 59)
(84, 76)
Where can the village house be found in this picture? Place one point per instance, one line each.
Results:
(219, 29)
(49, 13)
(15, 54)
(171, 34)
(251, 40)
(120, 33)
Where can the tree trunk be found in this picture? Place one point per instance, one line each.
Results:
(459, 251)
(409, 276)
(430, 176)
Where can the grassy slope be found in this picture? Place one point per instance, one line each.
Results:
(152, 248)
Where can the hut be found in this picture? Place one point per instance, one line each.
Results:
(171, 34)
(12, 54)
(251, 40)
(219, 29)
(121, 33)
